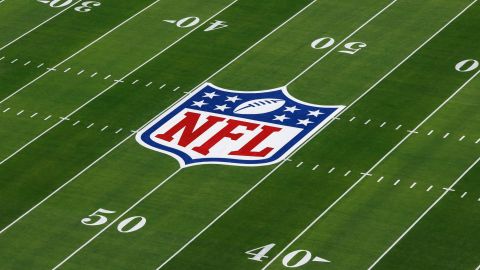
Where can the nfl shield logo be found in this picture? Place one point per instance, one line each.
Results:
(219, 126)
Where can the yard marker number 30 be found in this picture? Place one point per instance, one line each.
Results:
(127, 225)
(85, 6)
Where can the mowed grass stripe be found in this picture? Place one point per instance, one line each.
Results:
(260, 209)
(145, 248)
(40, 25)
(447, 190)
(20, 17)
(422, 160)
(57, 40)
(434, 243)
(237, 14)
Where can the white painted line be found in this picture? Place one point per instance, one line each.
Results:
(119, 81)
(478, 141)
(380, 179)
(6, 110)
(412, 131)
(14, 60)
(478, 268)
(178, 87)
(366, 174)
(46, 118)
(331, 170)
(91, 125)
(430, 133)
(134, 82)
(341, 43)
(93, 75)
(81, 71)
(347, 173)
(67, 70)
(429, 188)
(162, 86)
(108, 76)
(383, 124)
(20, 112)
(104, 128)
(118, 131)
(423, 215)
(351, 119)
(461, 138)
(368, 121)
(79, 51)
(36, 27)
(396, 182)
(413, 185)
(33, 115)
(316, 167)
(463, 195)
(446, 135)
(3, 57)
(398, 127)
(27, 63)
(299, 164)
(76, 123)
(148, 84)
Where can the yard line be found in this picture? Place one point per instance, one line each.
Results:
(424, 214)
(118, 218)
(116, 82)
(478, 268)
(38, 26)
(369, 171)
(79, 51)
(301, 146)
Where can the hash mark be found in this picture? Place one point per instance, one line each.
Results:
(91, 125)
(15, 60)
(398, 127)
(20, 112)
(41, 65)
(135, 82)
(383, 124)
(27, 63)
(148, 84)
(93, 75)
(314, 168)
(67, 70)
(461, 139)
(430, 133)
(48, 117)
(331, 170)
(446, 135)
(108, 76)
(368, 121)
(380, 179)
(429, 188)
(174, 90)
(162, 86)
(76, 123)
(396, 182)
(351, 119)
(299, 164)
(463, 195)
(103, 129)
(6, 110)
(347, 173)
(477, 141)
(33, 115)
(413, 185)
(81, 71)
(119, 130)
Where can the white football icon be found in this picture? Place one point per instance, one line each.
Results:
(259, 106)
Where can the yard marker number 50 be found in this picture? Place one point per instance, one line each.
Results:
(127, 225)
(85, 6)
(293, 259)
(327, 42)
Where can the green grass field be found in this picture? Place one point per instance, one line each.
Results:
(391, 183)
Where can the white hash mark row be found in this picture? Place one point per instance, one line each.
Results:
(380, 179)
(84, 71)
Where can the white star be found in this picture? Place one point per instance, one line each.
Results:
(233, 99)
(304, 122)
(221, 108)
(315, 113)
(199, 103)
(291, 109)
(281, 118)
(210, 95)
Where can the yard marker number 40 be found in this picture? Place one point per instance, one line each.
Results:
(127, 225)
(189, 22)
(293, 259)
(85, 6)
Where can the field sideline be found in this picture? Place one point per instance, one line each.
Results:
(388, 183)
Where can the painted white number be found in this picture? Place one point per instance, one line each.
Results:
(189, 22)
(85, 6)
(467, 65)
(260, 253)
(293, 259)
(323, 43)
(140, 223)
(127, 225)
(353, 47)
(304, 260)
(101, 219)
(327, 42)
